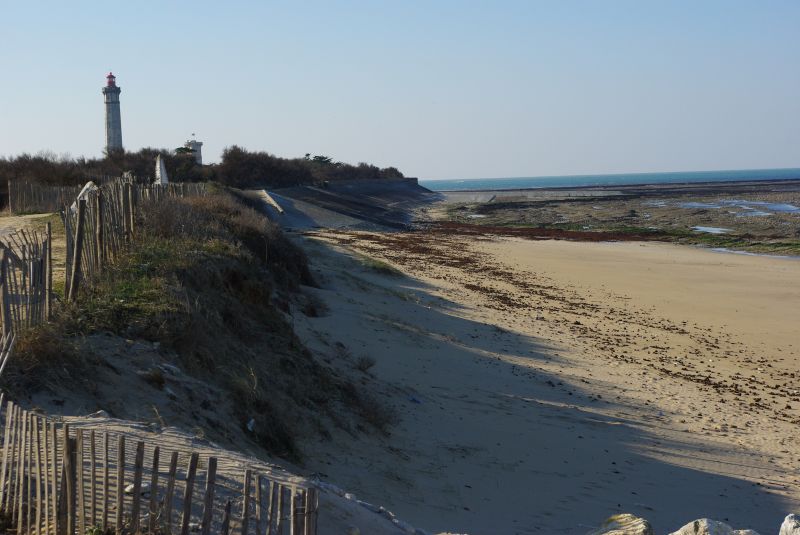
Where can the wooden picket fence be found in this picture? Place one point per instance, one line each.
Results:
(26, 279)
(30, 197)
(63, 481)
(103, 224)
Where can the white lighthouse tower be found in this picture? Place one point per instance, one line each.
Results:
(113, 120)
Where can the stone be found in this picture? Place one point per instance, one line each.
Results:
(791, 525)
(706, 526)
(144, 489)
(624, 524)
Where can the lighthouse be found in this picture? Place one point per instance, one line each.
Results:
(113, 121)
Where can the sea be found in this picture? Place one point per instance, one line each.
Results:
(483, 184)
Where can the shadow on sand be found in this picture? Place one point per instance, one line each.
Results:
(496, 436)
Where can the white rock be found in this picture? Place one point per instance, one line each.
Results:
(99, 414)
(791, 525)
(706, 526)
(624, 524)
(143, 489)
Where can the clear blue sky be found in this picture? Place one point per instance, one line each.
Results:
(441, 89)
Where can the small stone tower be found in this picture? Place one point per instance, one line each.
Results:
(197, 148)
(113, 121)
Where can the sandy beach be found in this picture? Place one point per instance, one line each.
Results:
(541, 386)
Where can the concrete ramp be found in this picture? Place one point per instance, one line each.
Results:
(361, 205)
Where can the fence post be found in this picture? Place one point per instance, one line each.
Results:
(48, 275)
(76, 257)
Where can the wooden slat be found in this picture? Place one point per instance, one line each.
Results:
(81, 515)
(8, 451)
(69, 477)
(54, 475)
(92, 480)
(246, 502)
(137, 486)
(99, 238)
(5, 299)
(105, 492)
(46, 483)
(37, 446)
(208, 498)
(187, 496)
(170, 492)
(153, 509)
(293, 511)
(279, 510)
(271, 508)
(259, 505)
(48, 277)
(18, 499)
(311, 511)
(120, 482)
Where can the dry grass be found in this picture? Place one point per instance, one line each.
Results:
(42, 356)
(206, 279)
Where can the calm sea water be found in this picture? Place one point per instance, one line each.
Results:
(607, 180)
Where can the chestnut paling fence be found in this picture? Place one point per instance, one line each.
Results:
(59, 480)
(98, 226)
(30, 197)
(103, 223)
(26, 281)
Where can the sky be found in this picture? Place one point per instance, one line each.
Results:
(439, 89)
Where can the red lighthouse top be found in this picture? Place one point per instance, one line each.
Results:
(111, 80)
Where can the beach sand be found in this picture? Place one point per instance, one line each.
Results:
(541, 386)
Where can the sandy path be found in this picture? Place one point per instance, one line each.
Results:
(545, 385)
